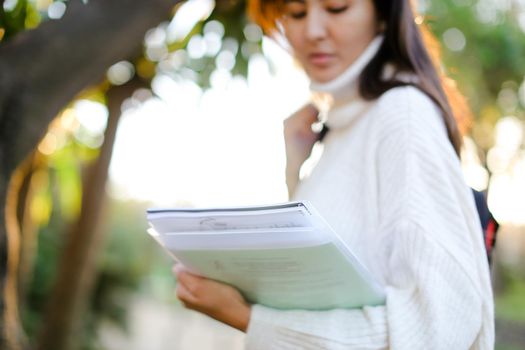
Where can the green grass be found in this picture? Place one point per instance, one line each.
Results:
(510, 315)
(510, 305)
(508, 347)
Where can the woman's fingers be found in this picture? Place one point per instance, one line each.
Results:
(311, 113)
(193, 283)
(217, 300)
(178, 267)
(185, 295)
(191, 290)
(308, 111)
(302, 119)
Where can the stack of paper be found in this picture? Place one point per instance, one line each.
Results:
(282, 256)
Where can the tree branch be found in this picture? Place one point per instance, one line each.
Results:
(43, 69)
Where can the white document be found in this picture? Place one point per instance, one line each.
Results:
(283, 256)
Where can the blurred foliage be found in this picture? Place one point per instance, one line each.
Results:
(510, 305)
(221, 42)
(510, 310)
(128, 256)
(19, 15)
(54, 207)
(483, 46)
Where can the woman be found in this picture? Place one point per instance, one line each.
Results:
(388, 181)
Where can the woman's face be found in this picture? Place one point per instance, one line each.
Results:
(327, 36)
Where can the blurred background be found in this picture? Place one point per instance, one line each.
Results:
(193, 117)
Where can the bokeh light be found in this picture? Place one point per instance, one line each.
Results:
(454, 39)
(56, 10)
(120, 73)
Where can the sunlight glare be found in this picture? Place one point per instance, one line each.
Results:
(187, 16)
(56, 10)
(220, 147)
(507, 188)
(92, 115)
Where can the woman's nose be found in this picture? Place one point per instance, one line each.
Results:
(315, 26)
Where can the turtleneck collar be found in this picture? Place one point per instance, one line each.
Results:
(338, 100)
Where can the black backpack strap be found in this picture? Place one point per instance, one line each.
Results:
(489, 225)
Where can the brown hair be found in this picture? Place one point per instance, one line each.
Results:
(409, 46)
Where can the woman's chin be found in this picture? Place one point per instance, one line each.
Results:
(322, 75)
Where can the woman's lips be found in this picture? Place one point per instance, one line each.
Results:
(320, 59)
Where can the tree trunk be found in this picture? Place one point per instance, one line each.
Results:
(77, 267)
(3, 269)
(28, 228)
(3, 264)
(71, 54)
(13, 333)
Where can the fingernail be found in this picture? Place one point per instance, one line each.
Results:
(180, 269)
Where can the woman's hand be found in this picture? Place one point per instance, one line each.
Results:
(217, 300)
(299, 140)
(298, 135)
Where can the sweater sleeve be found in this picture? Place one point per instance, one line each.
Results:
(427, 246)
(431, 304)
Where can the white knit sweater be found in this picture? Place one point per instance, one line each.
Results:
(390, 184)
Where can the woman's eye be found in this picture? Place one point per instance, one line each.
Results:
(295, 10)
(297, 15)
(337, 10)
